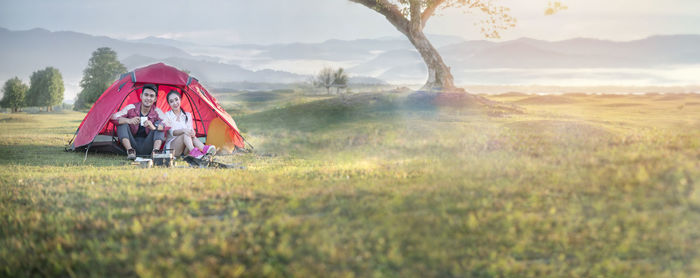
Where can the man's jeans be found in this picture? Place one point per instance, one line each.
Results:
(142, 145)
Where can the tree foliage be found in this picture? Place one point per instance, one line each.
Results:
(13, 94)
(325, 79)
(328, 78)
(103, 68)
(554, 7)
(45, 89)
(340, 79)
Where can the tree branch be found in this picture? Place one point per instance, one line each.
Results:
(390, 11)
(414, 6)
(429, 11)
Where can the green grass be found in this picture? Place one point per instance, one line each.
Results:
(367, 185)
(246, 102)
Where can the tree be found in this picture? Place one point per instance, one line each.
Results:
(14, 92)
(340, 79)
(45, 88)
(410, 17)
(103, 68)
(325, 79)
(328, 78)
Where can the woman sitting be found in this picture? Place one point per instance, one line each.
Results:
(181, 136)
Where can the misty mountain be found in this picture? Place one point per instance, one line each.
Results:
(467, 58)
(374, 61)
(163, 41)
(339, 50)
(580, 53)
(394, 58)
(575, 53)
(23, 52)
(207, 71)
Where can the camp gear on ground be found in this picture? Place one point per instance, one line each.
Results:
(163, 159)
(143, 162)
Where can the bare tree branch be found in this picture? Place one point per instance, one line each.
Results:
(429, 11)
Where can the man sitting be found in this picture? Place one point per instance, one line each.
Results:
(140, 128)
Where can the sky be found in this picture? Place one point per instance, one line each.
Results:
(223, 22)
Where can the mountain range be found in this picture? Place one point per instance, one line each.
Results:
(653, 60)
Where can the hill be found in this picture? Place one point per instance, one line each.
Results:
(362, 186)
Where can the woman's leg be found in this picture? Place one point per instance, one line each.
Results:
(178, 145)
(188, 142)
(197, 143)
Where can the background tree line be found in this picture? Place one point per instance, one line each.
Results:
(45, 90)
(46, 86)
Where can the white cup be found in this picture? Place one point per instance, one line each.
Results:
(143, 120)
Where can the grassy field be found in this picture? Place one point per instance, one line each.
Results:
(369, 186)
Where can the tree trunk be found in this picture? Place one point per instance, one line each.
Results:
(439, 76)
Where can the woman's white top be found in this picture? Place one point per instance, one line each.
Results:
(175, 123)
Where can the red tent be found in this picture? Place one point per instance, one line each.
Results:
(98, 133)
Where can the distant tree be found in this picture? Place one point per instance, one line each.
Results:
(103, 68)
(329, 78)
(325, 79)
(14, 92)
(410, 17)
(45, 88)
(340, 79)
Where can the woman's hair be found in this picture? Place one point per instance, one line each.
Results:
(167, 99)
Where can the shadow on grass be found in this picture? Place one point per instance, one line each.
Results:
(43, 155)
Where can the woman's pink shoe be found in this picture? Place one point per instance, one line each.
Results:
(196, 153)
(209, 149)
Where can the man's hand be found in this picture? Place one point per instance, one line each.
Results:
(131, 121)
(189, 132)
(149, 125)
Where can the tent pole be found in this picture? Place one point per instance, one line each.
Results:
(71, 140)
(86, 152)
(249, 144)
(195, 107)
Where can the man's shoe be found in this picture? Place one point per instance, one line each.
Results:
(130, 154)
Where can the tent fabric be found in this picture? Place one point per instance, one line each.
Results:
(218, 134)
(127, 90)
